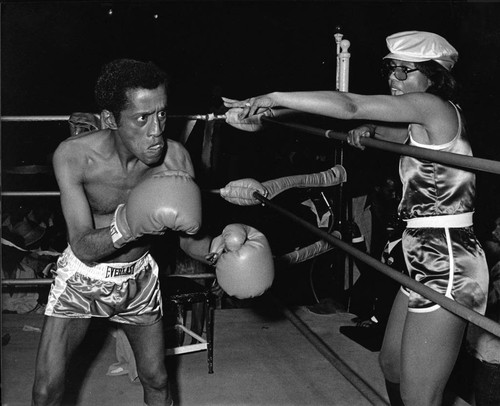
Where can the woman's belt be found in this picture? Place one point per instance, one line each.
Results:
(450, 221)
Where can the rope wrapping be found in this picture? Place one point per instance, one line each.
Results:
(331, 177)
(305, 253)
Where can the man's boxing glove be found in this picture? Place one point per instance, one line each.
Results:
(244, 262)
(165, 200)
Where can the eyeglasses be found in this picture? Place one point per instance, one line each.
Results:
(400, 72)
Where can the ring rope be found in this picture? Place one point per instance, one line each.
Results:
(331, 356)
(27, 281)
(48, 281)
(27, 194)
(449, 304)
(207, 117)
(447, 158)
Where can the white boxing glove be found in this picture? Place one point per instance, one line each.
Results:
(243, 260)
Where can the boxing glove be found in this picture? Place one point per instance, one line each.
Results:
(241, 191)
(164, 200)
(243, 261)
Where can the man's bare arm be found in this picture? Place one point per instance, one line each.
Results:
(88, 244)
(197, 247)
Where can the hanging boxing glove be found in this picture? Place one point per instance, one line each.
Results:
(241, 191)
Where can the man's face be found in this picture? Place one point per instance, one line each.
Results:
(142, 123)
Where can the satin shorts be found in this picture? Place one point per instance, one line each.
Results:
(123, 292)
(449, 260)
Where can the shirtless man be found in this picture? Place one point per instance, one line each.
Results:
(119, 187)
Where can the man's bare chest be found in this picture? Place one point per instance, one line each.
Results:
(106, 191)
(107, 184)
(104, 199)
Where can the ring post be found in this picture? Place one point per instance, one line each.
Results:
(338, 38)
(344, 58)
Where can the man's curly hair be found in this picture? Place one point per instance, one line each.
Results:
(121, 75)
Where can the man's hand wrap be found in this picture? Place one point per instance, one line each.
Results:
(119, 229)
(165, 200)
(244, 262)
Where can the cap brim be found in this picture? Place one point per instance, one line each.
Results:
(445, 64)
(406, 58)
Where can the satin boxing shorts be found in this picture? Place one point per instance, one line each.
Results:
(123, 292)
(443, 253)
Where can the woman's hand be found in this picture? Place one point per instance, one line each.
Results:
(253, 106)
(246, 116)
(354, 136)
(250, 124)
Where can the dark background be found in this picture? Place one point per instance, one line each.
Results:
(51, 53)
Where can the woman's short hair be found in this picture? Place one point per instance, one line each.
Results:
(443, 84)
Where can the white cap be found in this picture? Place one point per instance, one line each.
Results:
(421, 46)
